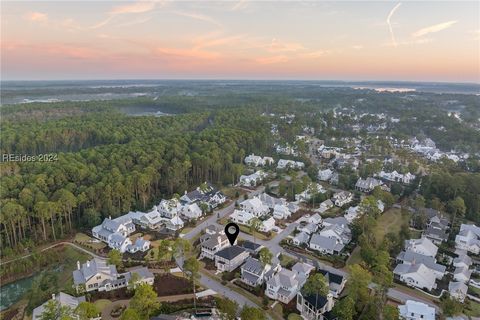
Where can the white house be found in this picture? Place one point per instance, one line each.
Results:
(253, 160)
(301, 238)
(118, 242)
(410, 257)
(352, 213)
(415, 275)
(316, 219)
(414, 310)
(462, 261)
(213, 244)
(139, 245)
(191, 211)
(267, 225)
(169, 208)
(252, 179)
(284, 164)
(280, 211)
(325, 175)
(325, 244)
(368, 184)
(253, 272)
(284, 285)
(241, 217)
(423, 246)
(255, 207)
(468, 238)
(340, 232)
(462, 274)
(325, 205)
(342, 198)
(175, 223)
(309, 192)
(150, 220)
(458, 290)
(308, 228)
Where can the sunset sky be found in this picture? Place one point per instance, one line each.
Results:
(383, 40)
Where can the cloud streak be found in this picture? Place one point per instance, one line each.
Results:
(389, 18)
(198, 16)
(433, 29)
(36, 16)
(137, 7)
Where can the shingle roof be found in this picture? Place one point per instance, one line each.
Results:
(230, 253)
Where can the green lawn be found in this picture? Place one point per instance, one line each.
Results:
(472, 309)
(102, 303)
(354, 257)
(391, 221)
(86, 241)
(285, 260)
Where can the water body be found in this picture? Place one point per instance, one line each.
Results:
(14, 291)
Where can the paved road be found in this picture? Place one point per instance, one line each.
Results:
(211, 220)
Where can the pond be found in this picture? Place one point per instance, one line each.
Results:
(13, 292)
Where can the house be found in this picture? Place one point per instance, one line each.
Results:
(255, 207)
(241, 217)
(462, 274)
(325, 244)
(284, 285)
(251, 247)
(145, 276)
(290, 164)
(325, 175)
(253, 160)
(316, 219)
(339, 232)
(342, 198)
(414, 310)
(230, 258)
(213, 229)
(191, 211)
(118, 242)
(422, 246)
(337, 220)
(458, 290)
(206, 193)
(150, 220)
(437, 236)
(303, 269)
(212, 244)
(139, 245)
(280, 211)
(267, 225)
(174, 224)
(253, 272)
(270, 201)
(313, 307)
(352, 213)
(308, 228)
(367, 185)
(415, 275)
(325, 205)
(468, 238)
(169, 208)
(462, 261)
(410, 257)
(252, 179)
(311, 190)
(120, 226)
(256, 161)
(336, 282)
(397, 177)
(301, 238)
(95, 274)
(64, 300)
(335, 178)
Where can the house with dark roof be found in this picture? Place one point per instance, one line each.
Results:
(336, 282)
(251, 247)
(313, 307)
(230, 258)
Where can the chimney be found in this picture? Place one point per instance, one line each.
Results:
(329, 302)
(78, 265)
(53, 296)
(110, 217)
(88, 263)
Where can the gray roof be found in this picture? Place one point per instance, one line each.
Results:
(302, 237)
(111, 225)
(414, 258)
(91, 268)
(230, 253)
(326, 243)
(253, 265)
(337, 220)
(143, 272)
(435, 233)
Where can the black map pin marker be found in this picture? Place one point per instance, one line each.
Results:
(231, 231)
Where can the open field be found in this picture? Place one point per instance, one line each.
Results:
(391, 221)
(89, 242)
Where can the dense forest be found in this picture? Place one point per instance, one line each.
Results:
(110, 161)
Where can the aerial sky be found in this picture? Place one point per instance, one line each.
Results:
(341, 40)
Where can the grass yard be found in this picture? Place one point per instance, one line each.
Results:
(391, 221)
(354, 257)
(258, 235)
(286, 260)
(102, 303)
(149, 256)
(84, 240)
(472, 309)
(186, 230)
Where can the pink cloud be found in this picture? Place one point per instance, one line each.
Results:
(36, 16)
